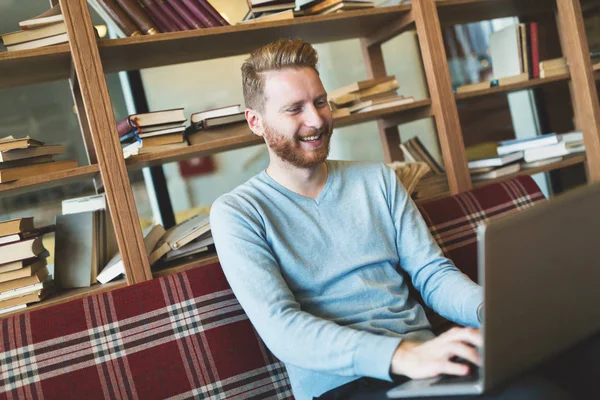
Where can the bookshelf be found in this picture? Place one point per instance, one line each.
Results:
(85, 61)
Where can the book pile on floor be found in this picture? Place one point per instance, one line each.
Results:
(316, 7)
(149, 17)
(188, 238)
(214, 122)
(368, 95)
(26, 157)
(24, 277)
(44, 30)
(154, 131)
(432, 183)
(491, 160)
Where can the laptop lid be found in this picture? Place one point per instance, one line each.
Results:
(540, 269)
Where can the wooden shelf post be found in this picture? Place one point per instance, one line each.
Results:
(103, 130)
(584, 95)
(443, 102)
(390, 135)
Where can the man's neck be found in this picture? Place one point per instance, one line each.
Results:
(307, 182)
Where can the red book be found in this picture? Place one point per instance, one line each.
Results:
(200, 13)
(124, 126)
(186, 14)
(535, 50)
(157, 16)
(171, 16)
(214, 14)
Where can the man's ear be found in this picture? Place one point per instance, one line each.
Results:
(254, 121)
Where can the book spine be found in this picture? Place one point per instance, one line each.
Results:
(139, 16)
(213, 13)
(186, 14)
(527, 32)
(199, 13)
(159, 19)
(119, 17)
(124, 126)
(172, 16)
(535, 49)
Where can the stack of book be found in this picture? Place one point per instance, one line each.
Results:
(334, 6)
(493, 160)
(154, 131)
(148, 17)
(553, 67)
(230, 119)
(44, 30)
(410, 173)
(190, 237)
(26, 157)
(368, 95)
(432, 183)
(252, 18)
(259, 8)
(24, 277)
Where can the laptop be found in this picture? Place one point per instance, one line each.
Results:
(537, 267)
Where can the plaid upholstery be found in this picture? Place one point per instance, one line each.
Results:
(185, 336)
(453, 222)
(180, 337)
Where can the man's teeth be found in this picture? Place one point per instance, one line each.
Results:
(310, 138)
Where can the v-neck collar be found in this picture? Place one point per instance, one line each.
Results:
(317, 200)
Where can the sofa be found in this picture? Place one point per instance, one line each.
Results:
(185, 335)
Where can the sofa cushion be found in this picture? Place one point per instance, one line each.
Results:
(182, 336)
(453, 222)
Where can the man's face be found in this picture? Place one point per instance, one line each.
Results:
(297, 119)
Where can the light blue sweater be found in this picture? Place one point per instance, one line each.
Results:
(319, 278)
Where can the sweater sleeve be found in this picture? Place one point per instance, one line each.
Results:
(444, 288)
(294, 336)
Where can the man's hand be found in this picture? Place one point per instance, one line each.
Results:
(429, 359)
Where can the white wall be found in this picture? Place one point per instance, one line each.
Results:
(207, 84)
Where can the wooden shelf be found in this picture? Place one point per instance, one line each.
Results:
(189, 263)
(200, 44)
(18, 68)
(63, 296)
(566, 162)
(216, 142)
(514, 87)
(49, 180)
(211, 143)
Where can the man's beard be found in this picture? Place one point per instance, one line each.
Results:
(292, 151)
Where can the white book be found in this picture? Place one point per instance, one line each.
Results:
(83, 204)
(13, 308)
(505, 51)
(569, 143)
(511, 146)
(34, 44)
(498, 172)
(496, 161)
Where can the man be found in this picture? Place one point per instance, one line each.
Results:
(314, 249)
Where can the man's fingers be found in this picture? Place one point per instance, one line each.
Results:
(452, 368)
(467, 352)
(467, 335)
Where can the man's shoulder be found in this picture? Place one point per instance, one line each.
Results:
(241, 197)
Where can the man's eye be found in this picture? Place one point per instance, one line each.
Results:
(293, 110)
(321, 103)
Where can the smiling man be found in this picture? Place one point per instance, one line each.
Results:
(317, 251)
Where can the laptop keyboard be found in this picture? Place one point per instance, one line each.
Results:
(473, 377)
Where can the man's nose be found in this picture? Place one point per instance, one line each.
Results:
(313, 118)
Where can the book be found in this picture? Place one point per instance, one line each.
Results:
(198, 245)
(51, 16)
(497, 161)
(216, 112)
(158, 118)
(15, 265)
(347, 6)
(514, 145)
(186, 231)
(568, 143)
(186, 15)
(137, 14)
(385, 104)
(26, 161)
(169, 13)
(115, 266)
(13, 174)
(161, 140)
(34, 44)
(24, 272)
(25, 290)
(16, 226)
(36, 151)
(12, 309)
(497, 172)
(359, 85)
(388, 87)
(414, 150)
(219, 121)
(160, 19)
(30, 234)
(21, 301)
(39, 276)
(540, 163)
(33, 34)
(278, 16)
(109, 10)
(505, 51)
(21, 250)
(326, 4)
(213, 13)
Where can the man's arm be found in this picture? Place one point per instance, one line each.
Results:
(443, 287)
(294, 336)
